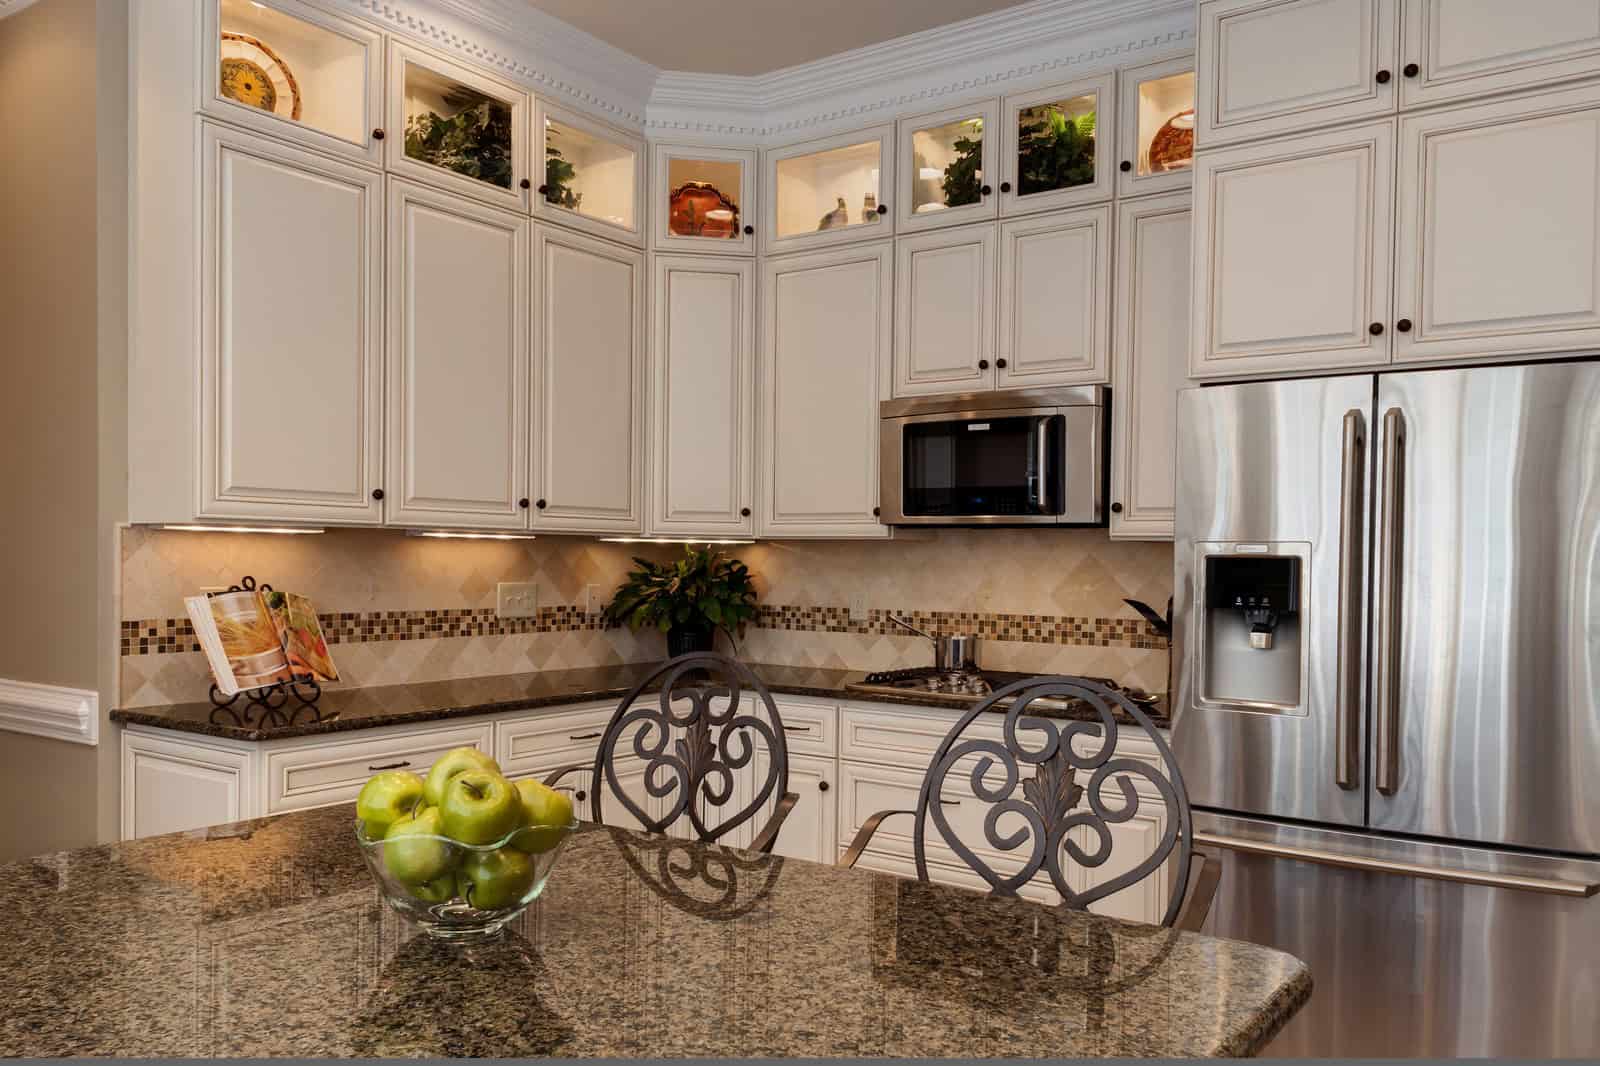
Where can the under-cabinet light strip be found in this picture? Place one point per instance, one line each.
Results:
(673, 540)
(450, 534)
(295, 531)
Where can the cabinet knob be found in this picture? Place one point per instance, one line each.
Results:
(1124, 166)
(1116, 508)
(523, 503)
(749, 230)
(1005, 186)
(581, 795)
(822, 786)
(1410, 70)
(983, 364)
(1001, 363)
(1375, 329)
(744, 512)
(1404, 325)
(526, 184)
(883, 209)
(1382, 77)
(377, 494)
(543, 189)
(876, 512)
(539, 504)
(985, 190)
(377, 135)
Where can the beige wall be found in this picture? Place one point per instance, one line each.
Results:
(57, 555)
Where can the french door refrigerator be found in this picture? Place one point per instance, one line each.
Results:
(1387, 707)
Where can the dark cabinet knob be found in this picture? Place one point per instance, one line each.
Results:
(883, 209)
(543, 189)
(1124, 166)
(1001, 363)
(1383, 77)
(1005, 186)
(1404, 325)
(876, 512)
(1116, 508)
(377, 135)
(985, 190)
(822, 786)
(749, 230)
(539, 504)
(744, 512)
(523, 503)
(1375, 329)
(581, 795)
(377, 494)
(983, 364)
(526, 184)
(1410, 70)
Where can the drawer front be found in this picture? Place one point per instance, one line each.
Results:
(809, 729)
(903, 738)
(324, 774)
(539, 742)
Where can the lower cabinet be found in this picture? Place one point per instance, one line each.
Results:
(170, 784)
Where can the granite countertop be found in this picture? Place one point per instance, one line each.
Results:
(267, 938)
(340, 709)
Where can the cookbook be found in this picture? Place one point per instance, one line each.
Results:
(260, 637)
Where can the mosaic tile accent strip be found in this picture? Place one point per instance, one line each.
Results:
(1023, 628)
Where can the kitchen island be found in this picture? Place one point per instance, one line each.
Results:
(268, 938)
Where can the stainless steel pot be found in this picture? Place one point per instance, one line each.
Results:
(951, 651)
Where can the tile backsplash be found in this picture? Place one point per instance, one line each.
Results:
(401, 609)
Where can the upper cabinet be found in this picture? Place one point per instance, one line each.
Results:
(703, 200)
(944, 332)
(1055, 299)
(1452, 49)
(456, 128)
(295, 71)
(591, 177)
(1057, 146)
(828, 191)
(1276, 66)
(1156, 137)
(947, 160)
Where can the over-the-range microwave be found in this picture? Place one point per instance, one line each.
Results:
(1023, 457)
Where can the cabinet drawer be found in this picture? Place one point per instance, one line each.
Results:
(809, 729)
(902, 738)
(323, 774)
(539, 742)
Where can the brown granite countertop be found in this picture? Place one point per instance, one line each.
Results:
(267, 938)
(340, 710)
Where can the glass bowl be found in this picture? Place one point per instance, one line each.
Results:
(458, 891)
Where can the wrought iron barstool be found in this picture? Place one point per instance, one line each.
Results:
(692, 758)
(1053, 802)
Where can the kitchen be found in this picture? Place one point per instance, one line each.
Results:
(1012, 323)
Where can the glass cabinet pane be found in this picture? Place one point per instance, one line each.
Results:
(947, 165)
(1056, 144)
(292, 68)
(457, 127)
(589, 174)
(832, 189)
(703, 198)
(1166, 124)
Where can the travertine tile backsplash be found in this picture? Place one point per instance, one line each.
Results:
(415, 609)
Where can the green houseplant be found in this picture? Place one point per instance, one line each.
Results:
(1053, 150)
(475, 141)
(688, 600)
(558, 176)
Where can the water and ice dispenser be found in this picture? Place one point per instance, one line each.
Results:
(1250, 632)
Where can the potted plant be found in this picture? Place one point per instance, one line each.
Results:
(688, 600)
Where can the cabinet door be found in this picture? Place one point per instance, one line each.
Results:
(592, 175)
(1132, 842)
(588, 383)
(703, 199)
(1292, 254)
(824, 368)
(944, 315)
(1059, 146)
(810, 831)
(1150, 363)
(169, 786)
(458, 361)
(1055, 299)
(703, 396)
(1458, 48)
(1155, 127)
(948, 166)
(827, 191)
(1486, 273)
(292, 327)
(1277, 66)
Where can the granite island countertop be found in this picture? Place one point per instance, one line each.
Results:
(343, 709)
(268, 938)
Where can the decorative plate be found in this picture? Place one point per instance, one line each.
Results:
(256, 76)
(698, 209)
(1172, 148)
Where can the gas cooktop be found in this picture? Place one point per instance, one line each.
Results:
(969, 685)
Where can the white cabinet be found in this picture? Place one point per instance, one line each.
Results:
(945, 311)
(1291, 260)
(458, 361)
(1132, 842)
(291, 332)
(1150, 363)
(325, 771)
(588, 393)
(171, 783)
(703, 397)
(1499, 229)
(1457, 48)
(1059, 146)
(1055, 299)
(824, 367)
(1155, 127)
(946, 164)
(810, 831)
(827, 191)
(587, 175)
(703, 199)
(1274, 66)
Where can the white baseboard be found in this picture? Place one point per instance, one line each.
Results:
(50, 711)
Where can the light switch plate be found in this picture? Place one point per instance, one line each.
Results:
(858, 607)
(593, 599)
(516, 599)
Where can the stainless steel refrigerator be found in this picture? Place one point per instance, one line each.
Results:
(1387, 659)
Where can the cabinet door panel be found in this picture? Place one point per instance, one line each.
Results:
(1055, 299)
(1292, 258)
(292, 247)
(1276, 66)
(1040, 179)
(944, 311)
(718, 202)
(802, 186)
(1486, 273)
(944, 163)
(1154, 102)
(458, 361)
(810, 831)
(169, 786)
(587, 175)
(1132, 842)
(589, 386)
(824, 363)
(1472, 47)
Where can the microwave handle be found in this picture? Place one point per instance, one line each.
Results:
(1045, 478)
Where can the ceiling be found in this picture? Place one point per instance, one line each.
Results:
(754, 36)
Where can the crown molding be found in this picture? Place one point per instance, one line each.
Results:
(50, 711)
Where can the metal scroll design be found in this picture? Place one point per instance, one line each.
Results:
(715, 883)
(691, 757)
(1035, 774)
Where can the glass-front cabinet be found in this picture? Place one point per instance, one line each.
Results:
(1058, 146)
(296, 72)
(947, 166)
(703, 199)
(828, 191)
(453, 127)
(1157, 134)
(592, 175)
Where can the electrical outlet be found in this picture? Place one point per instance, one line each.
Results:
(858, 607)
(516, 599)
(593, 599)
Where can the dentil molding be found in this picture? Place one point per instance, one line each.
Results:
(50, 711)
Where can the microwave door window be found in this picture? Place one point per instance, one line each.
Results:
(973, 467)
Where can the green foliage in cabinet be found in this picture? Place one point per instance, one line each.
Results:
(558, 176)
(1053, 150)
(703, 590)
(963, 177)
(475, 141)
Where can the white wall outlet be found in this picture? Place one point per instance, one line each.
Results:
(516, 599)
(858, 607)
(594, 600)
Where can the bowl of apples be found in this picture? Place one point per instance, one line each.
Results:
(463, 850)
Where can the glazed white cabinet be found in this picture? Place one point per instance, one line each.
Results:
(944, 334)
(291, 332)
(702, 404)
(1055, 299)
(826, 323)
(1453, 49)
(458, 361)
(588, 395)
(1150, 363)
(171, 783)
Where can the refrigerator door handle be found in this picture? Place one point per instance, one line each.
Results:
(1387, 645)
(1347, 745)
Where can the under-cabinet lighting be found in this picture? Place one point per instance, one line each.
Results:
(677, 540)
(450, 534)
(294, 531)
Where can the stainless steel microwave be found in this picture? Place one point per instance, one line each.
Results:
(1023, 457)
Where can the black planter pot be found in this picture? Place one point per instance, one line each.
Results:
(681, 640)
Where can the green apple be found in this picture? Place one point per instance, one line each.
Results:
(409, 852)
(546, 814)
(385, 798)
(440, 890)
(494, 879)
(451, 763)
(479, 807)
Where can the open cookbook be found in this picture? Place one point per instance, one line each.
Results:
(260, 637)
